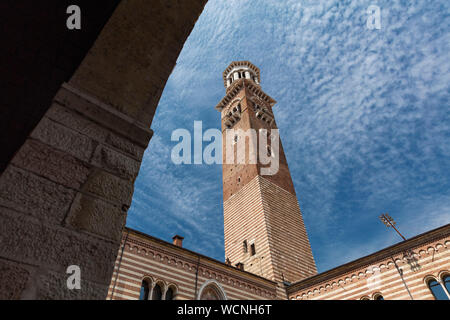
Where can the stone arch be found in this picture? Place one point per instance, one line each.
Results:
(146, 287)
(175, 291)
(429, 278)
(211, 290)
(148, 278)
(103, 106)
(158, 290)
(443, 273)
(377, 296)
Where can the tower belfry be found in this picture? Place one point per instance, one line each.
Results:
(264, 229)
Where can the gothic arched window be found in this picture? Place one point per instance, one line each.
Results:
(211, 290)
(157, 292)
(209, 294)
(437, 290)
(145, 290)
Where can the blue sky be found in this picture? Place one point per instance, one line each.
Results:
(364, 116)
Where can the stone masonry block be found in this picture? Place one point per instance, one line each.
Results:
(125, 145)
(75, 121)
(99, 113)
(86, 126)
(110, 187)
(50, 163)
(97, 216)
(35, 196)
(64, 139)
(116, 162)
(55, 248)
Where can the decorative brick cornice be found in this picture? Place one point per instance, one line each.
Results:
(170, 251)
(237, 86)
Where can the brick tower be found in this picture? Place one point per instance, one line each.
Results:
(264, 229)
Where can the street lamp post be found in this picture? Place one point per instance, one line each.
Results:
(389, 222)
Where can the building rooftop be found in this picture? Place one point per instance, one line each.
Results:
(388, 252)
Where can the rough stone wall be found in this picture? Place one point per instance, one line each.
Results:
(65, 195)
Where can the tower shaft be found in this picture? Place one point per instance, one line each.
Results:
(264, 228)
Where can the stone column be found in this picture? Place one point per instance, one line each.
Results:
(164, 291)
(150, 295)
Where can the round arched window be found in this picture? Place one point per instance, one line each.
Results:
(157, 292)
(170, 294)
(446, 282)
(437, 290)
(145, 290)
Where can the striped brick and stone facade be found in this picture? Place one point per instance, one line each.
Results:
(268, 255)
(189, 275)
(400, 272)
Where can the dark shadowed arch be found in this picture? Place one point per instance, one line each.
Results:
(76, 133)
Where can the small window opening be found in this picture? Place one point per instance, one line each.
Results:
(253, 249)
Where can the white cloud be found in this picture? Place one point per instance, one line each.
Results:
(363, 116)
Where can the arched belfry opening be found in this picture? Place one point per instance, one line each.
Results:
(67, 184)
